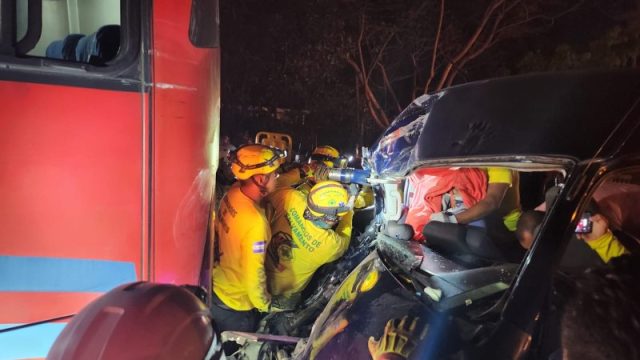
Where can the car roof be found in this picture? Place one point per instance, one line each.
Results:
(567, 114)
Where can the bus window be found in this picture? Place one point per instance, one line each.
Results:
(86, 31)
(95, 32)
(203, 32)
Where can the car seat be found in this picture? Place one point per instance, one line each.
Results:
(64, 49)
(99, 47)
(474, 245)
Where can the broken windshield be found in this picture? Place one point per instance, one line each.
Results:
(395, 151)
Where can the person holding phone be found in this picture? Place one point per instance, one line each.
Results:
(593, 229)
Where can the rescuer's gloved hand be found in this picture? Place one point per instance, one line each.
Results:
(307, 171)
(398, 340)
(353, 189)
(444, 217)
(280, 304)
(321, 173)
(275, 309)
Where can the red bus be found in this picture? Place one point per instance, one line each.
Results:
(108, 150)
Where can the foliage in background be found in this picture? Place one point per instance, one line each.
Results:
(617, 48)
(349, 66)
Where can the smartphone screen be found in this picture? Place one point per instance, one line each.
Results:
(585, 225)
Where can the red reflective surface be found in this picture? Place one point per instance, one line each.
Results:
(113, 176)
(186, 115)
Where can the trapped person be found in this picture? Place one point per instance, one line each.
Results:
(502, 198)
(243, 232)
(308, 232)
(492, 219)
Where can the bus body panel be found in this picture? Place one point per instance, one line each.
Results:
(73, 211)
(185, 122)
(105, 186)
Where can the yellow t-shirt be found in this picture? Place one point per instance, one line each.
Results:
(298, 248)
(288, 178)
(510, 206)
(243, 236)
(607, 246)
(365, 198)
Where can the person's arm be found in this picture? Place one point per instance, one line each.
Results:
(289, 178)
(484, 207)
(255, 248)
(338, 240)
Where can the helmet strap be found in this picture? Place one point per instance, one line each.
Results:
(321, 224)
(317, 220)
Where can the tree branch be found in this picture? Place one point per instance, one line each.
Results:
(364, 78)
(472, 40)
(528, 19)
(376, 111)
(379, 55)
(432, 73)
(387, 83)
(414, 89)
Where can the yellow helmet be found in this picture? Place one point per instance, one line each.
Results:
(326, 154)
(328, 199)
(255, 159)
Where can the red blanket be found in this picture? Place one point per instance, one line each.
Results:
(429, 185)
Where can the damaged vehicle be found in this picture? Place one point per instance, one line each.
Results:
(411, 288)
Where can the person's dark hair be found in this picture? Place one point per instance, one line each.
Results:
(528, 221)
(593, 208)
(602, 319)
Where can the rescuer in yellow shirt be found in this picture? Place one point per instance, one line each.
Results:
(326, 156)
(243, 232)
(303, 176)
(299, 174)
(307, 232)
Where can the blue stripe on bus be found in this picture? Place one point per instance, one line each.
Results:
(28, 274)
(30, 342)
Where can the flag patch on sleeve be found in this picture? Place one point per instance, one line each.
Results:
(258, 247)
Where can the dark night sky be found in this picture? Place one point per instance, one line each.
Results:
(272, 56)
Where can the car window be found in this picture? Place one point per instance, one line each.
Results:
(619, 198)
(617, 201)
(441, 206)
